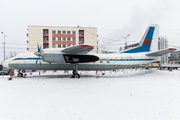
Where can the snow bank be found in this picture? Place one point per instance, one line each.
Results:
(127, 94)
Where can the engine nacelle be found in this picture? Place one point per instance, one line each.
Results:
(56, 56)
(52, 56)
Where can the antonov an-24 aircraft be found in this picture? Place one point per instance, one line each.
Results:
(77, 57)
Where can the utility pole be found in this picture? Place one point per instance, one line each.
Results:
(97, 46)
(4, 44)
(125, 41)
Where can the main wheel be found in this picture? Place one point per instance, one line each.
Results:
(74, 72)
(76, 75)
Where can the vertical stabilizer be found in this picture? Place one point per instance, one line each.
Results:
(149, 41)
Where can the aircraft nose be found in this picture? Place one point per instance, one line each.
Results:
(5, 63)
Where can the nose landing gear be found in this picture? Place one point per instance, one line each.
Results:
(19, 73)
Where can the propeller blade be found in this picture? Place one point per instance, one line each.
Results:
(36, 60)
(38, 47)
(38, 53)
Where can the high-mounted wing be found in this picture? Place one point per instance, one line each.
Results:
(161, 52)
(78, 49)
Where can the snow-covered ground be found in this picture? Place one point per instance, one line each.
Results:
(124, 95)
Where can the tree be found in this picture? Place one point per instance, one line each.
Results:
(11, 55)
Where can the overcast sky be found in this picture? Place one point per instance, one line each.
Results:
(113, 19)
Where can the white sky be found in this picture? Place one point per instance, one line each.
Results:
(113, 19)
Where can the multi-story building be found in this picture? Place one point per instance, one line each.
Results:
(163, 44)
(60, 37)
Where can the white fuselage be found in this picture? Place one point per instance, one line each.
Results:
(106, 62)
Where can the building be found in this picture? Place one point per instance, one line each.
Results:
(174, 58)
(163, 44)
(60, 37)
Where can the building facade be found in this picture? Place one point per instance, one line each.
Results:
(174, 58)
(163, 44)
(60, 37)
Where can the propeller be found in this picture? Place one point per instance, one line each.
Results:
(38, 53)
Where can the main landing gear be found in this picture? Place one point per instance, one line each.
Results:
(75, 72)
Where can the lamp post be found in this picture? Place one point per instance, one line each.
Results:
(4, 44)
(126, 41)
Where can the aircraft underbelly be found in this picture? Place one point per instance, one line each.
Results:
(69, 66)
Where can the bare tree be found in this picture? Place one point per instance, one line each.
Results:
(11, 55)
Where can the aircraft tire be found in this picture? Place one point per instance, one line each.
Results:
(74, 72)
(20, 75)
(76, 75)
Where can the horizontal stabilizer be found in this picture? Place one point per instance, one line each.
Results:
(161, 52)
(78, 49)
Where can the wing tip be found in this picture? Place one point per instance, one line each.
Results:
(172, 49)
(87, 46)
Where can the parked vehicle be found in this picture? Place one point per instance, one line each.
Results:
(5, 72)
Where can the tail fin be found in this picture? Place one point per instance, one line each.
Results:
(149, 41)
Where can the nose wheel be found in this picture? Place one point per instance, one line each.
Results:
(19, 74)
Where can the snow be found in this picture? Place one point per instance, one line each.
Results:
(126, 94)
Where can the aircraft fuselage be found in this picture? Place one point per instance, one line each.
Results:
(105, 62)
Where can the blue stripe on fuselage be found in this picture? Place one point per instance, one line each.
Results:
(127, 59)
(27, 59)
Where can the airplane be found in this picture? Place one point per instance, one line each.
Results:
(76, 57)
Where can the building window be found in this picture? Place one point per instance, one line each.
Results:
(45, 39)
(64, 32)
(74, 39)
(59, 46)
(81, 33)
(45, 32)
(81, 39)
(64, 46)
(53, 32)
(45, 46)
(68, 32)
(59, 39)
(59, 32)
(74, 32)
(68, 39)
(54, 38)
(68, 45)
(54, 45)
(64, 39)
